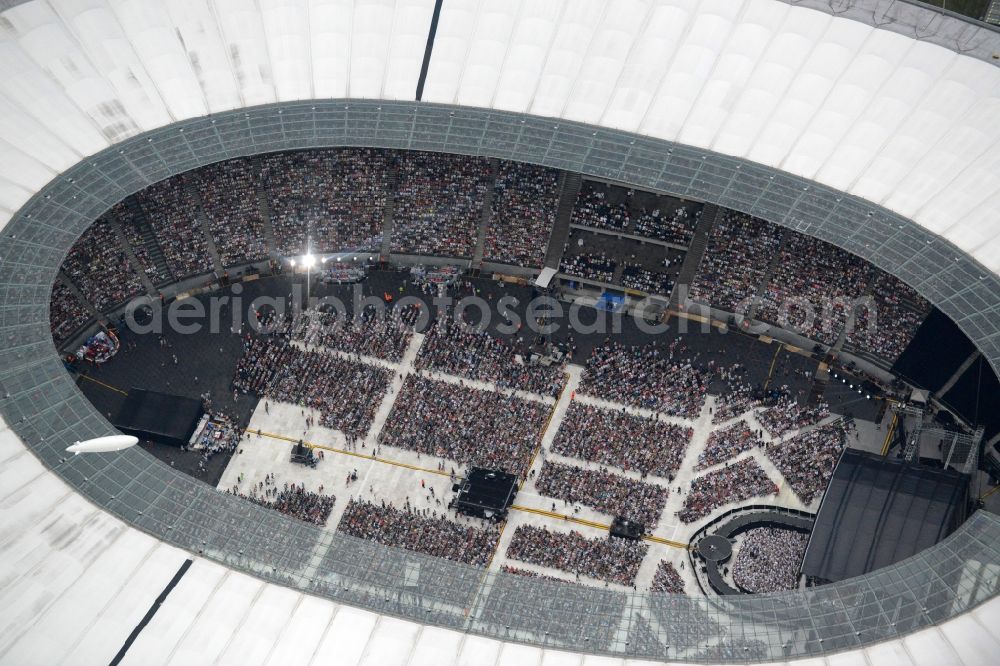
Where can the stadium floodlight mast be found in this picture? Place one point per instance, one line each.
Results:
(308, 261)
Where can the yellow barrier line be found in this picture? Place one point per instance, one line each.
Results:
(889, 433)
(313, 445)
(386, 461)
(107, 386)
(541, 436)
(560, 516)
(989, 492)
(666, 542)
(770, 371)
(589, 523)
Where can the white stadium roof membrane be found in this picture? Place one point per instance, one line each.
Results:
(906, 124)
(882, 100)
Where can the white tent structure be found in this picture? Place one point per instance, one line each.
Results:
(888, 102)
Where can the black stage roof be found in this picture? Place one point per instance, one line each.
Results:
(878, 511)
(161, 417)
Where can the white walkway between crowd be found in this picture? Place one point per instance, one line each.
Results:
(399, 476)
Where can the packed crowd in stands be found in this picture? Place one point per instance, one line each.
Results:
(346, 393)
(898, 312)
(735, 262)
(576, 613)
(606, 559)
(604, 492)
(733, 648)
(733, 483)
(813, 275)
(726, 444)
(467, 425)
(594, 208)
(382, 336)
(292, 500)
(174, 216)
(100, 269)
(651, 282)
(439, 204)
(787, 415)
(666, 579)
(672, 227)
(333, 198)
(524, 209)
(683, 623)
(130, 217)
(228, 193)
(422, 531)
(615, 438)
(658, 377)
(457, 349)
(66, 312)
(806, 461)
(598, 267)
(768, 560)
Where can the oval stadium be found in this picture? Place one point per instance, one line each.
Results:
(479, 332)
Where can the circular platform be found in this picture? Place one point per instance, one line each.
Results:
(715, 548)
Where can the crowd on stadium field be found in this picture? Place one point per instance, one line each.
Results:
(658, 377)
(727, 443)
(607, 559)
(100, 269)
(420, 530)
(666, 579)
(675, 227)
(817, 276)
(737, 397)
(439, 204)
(331, 198)
(174, 217)
(589, 266)
(594, 208)
(523, 211)
(651, 282)
(228, 192)
(66, 312)
(602, 491)
(467, 425)
(633, 443)
(735, 261)
(461, 350)
(733, 483)
(806, 461)
(786, 415)
(385, 337)
(346, 393)
(292, 500)
(768, 560)
(889, 325)
(527, 573)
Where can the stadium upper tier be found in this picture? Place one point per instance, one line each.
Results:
(906, 124)
(875, 130)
